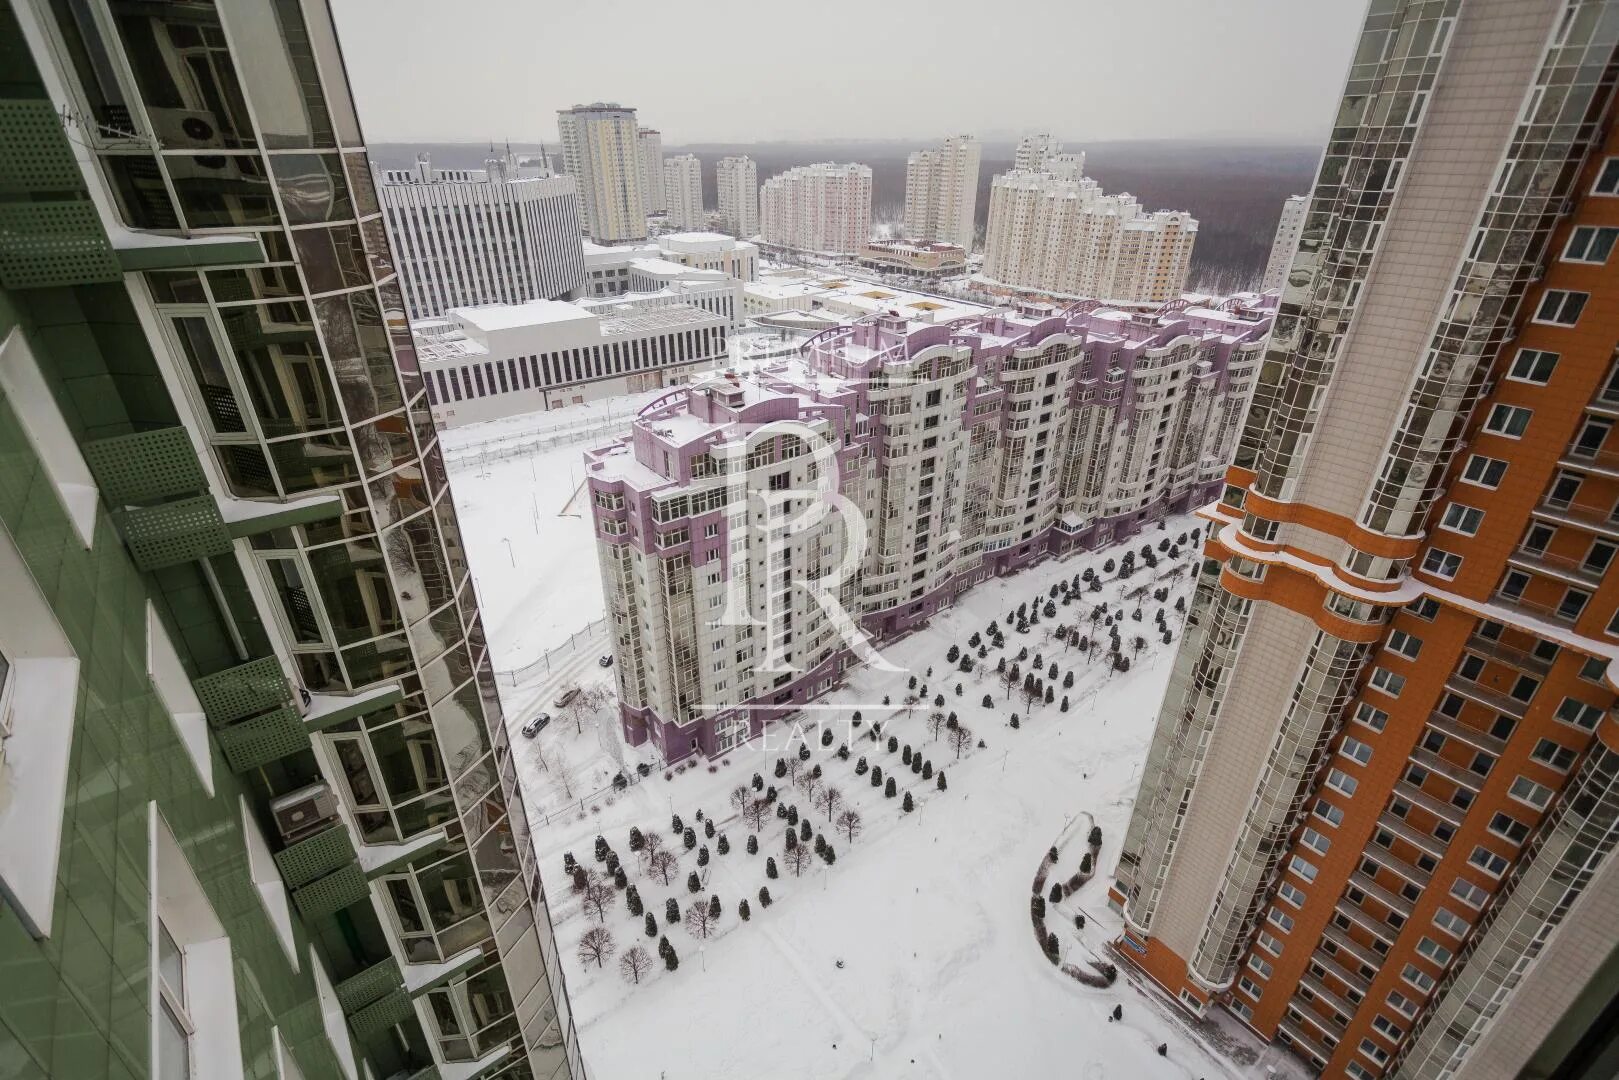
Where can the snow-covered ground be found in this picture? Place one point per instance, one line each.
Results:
(912, 954)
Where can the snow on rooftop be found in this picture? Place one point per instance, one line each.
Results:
(491, 317)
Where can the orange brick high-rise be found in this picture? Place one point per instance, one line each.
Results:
(1377, 819)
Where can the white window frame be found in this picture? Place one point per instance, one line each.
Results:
(1484, 462)
(1442, 564)
(1461, 518)
(1560, 300)
(1589, 234)
(1607, 178)
(208, 1010)
(1503, 417)
(22, 382)
(40, 697)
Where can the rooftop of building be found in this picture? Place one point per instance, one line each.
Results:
(490, 318)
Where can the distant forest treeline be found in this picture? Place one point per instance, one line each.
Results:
(1234, 190)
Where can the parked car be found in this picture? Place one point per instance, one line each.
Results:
(566, 696)
(536, 724)
(606, 660)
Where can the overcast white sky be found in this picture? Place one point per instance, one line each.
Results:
(757, 70)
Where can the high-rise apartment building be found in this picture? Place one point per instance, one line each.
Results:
(941, 192)
(1054, 233)
(1378, 814)
(505, 233)
(683, 191)
(602, 151)
(649, 152)
(257, 816)
(737, 181)
(823, 208)
(966, 449)
(1033, 150)
(1286, 242)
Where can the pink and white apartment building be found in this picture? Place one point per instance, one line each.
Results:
(758, 533)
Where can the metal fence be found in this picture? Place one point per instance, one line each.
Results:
(547, 661)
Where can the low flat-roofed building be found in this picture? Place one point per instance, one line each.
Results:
(915, 258)
(484, 363)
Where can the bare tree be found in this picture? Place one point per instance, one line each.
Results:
(700, 921)
(664, 866)
(961, 738)
(1031, 694)
(810, 784)
(741, 796)
(828, 799)
(597, 945)
(598, 897)
(652, 842)
(793, 767)
(635, 963)
(755, 813)
(564, 773)
(911, 701)
(936, 721)
(849, 824)
(796, 857)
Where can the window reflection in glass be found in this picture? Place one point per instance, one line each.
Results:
(281, 364)
(185, 75)
(312, 188)
(357, 343)
(355, 590)
(377, 661)
(314, 462)
(221, 191)
(255, 283)
(138, 189)
(332, 258)
(281, 81)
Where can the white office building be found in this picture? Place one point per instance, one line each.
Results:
(823, 208)
(601, 150)
(1286, 243)
(609, 271)
(1054, 233)
(941, 192)
(683, 191)
(649, 154)
(484, 363)
(737, 181)
(503, 234)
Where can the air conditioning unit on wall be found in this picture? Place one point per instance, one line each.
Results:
(300, 814)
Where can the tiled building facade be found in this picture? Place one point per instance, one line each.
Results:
(959, 451)
(1377, 818)
(259, 817)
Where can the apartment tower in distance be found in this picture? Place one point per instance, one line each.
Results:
(602, 151)
(824, 209)
(649, 155)
(1285, 243)
(503, 234)
(1377, 818)
(683, 190)
(258, 816)
(1053, 233)
(737, 182)
(941, 192)
(1033, 150)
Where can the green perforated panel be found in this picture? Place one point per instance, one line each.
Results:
(52, 244)
(391, 1010)
(368, 986)
(333, 892)
(34, 154)
(146, 466)
(243, 690)
(315, 856)
(259, 740)
(187, 530)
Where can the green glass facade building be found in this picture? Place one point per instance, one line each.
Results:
(258, 816)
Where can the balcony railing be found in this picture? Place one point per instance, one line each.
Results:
(1585, 515)
(1573, 571)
